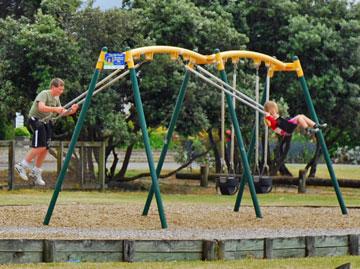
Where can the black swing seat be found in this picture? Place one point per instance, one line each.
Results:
(263, 184)
(228, 184)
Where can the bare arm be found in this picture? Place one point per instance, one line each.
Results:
(44, 108)
(71, 110)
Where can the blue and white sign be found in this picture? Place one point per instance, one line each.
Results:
(114, 60)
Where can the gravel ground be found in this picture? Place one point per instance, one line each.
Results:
(185, 221)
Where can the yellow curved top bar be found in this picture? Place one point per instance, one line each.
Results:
(174, 52)
(256, 56)
(197, 58)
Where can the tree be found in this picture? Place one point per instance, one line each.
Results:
(32, 54)
(328, 45)
(116, 29)
(325, 36)
(203, 29)
(18, 8)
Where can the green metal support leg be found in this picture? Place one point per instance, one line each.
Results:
(141, 116)
(324, 149)
(249, 156)
(242, 151)
(73, 141)
(169, 134)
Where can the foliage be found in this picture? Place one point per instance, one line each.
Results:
(31, 54)
(18, 8)
(53, 38)
(347, 155)
(7, 131)
(191, 146)
(22, 131)
(300, 152)
(157, 137)
(327, 40)
(93, 29)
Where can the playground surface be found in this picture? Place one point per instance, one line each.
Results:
(192, 212)
(185, 220)
(95, 226)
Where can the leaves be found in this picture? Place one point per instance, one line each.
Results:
(57, 38)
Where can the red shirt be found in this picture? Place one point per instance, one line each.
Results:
(274, 125)
(271, 122)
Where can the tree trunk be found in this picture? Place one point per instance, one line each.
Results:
(281, 150)
(90, 164)
(188, 162)
(110, 175)
(120, 176)
(312, 164)
(215, 150)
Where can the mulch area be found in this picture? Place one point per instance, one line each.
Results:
(179, 215)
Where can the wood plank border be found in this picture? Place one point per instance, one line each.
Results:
(36, 251)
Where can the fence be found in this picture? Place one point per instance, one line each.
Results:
(84, 160)
(11, 161)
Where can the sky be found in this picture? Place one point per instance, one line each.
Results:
(106, 4)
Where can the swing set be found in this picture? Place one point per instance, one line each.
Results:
(194, 61)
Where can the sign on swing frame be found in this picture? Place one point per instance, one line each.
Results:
(114, 60)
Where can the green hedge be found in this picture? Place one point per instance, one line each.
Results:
(22, 131)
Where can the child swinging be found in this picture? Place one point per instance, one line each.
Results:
(285, 127)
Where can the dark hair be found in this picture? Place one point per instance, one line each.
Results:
(56, 82)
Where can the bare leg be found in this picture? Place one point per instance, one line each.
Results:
(304, 121)
(32, 154)
(38, 154)
(40, 158)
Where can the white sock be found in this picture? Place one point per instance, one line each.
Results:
(37, 169)
(25, 163)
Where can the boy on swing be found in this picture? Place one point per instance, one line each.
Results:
(45, 106)
(285, 127)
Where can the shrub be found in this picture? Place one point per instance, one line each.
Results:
(157, 137)
(8, 132)
(347, 155)
(22, 131)
(189, 147)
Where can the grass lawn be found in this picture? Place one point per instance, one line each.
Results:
(305, 263)
(316, 196)
(341, 170)
(182, 191)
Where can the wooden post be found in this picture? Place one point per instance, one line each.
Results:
(82, 164)
(11, 161)
(209, 247)
(48, 250)
(354, 244)
(102, 164)
(204, 175)
(309, 246)
(302, 181)
(129, 251)
(59, 159)
(268, 247)
(221, 250)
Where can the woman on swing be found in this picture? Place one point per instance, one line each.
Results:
(285, 127)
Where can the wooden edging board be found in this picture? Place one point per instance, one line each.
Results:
(36, 251)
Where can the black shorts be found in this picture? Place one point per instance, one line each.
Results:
(42, 133)
(285, 125)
